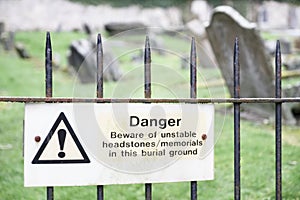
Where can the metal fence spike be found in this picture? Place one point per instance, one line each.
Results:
(147, 68)
(237, 157)
(99, 67)
(278, 119)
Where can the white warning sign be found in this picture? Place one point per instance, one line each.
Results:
(71, 144)
(61, 145)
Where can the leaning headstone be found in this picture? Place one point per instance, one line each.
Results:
(82, 57)
(8, 40)
(22, 51)
(256, 72)
(134, 27)
(87, 29)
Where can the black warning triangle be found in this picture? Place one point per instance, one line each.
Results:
(60, 156)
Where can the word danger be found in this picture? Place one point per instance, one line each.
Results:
(161, 123)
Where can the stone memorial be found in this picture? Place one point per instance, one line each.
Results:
(22, 51)
(8, 40)
(119, 27)
(256, 72)
(82, 58)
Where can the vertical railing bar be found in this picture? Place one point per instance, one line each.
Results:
(193, 94)
(99, 57)
(193, 70)
(147, 68)
(48, 87)
(100, 192)
(147, 94)
(48, 65)
(278, 121)
(236, 77)
(99, 67)
(50, 193)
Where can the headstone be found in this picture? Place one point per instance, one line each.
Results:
(185, 62)
(157, 43)
(22, 51)
(137, 57)
(115, 28)
(296, 44)
(293, 91)
(285, 46)
(82, 57)
(291, 62)
(8, 40)
(56, 60)
(256, 72)
(87, 29)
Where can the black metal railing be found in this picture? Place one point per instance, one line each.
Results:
(236, 101)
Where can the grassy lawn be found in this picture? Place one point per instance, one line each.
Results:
(26, 78)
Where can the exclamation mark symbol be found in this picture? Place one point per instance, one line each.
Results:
(61, 139)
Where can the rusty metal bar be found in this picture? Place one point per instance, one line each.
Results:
(148, 191)
(99, 67)
(146, 100)
(48, 84)
(48, 66)
(193, 70)
(193, 94)
(100, 192)
(50, 193)
(147, 68)
(236, 78)
(278, 121)
(99, 57)
(147, 94)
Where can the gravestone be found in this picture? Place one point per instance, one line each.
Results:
(22, 51)
(87, 29)
(82, 58)
(8, 40)
(294, 91)
(256, 72)
(185, 62)
(285, 46)
(157, 43)
(119, 27)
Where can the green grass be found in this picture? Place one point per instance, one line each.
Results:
(26, 78)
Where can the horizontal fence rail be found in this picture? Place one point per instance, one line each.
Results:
(146, 100)
(236, 101)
